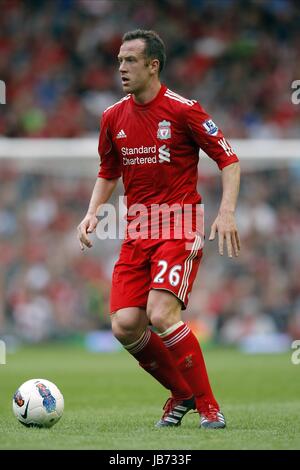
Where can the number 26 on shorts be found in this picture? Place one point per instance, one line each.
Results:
(174, 273)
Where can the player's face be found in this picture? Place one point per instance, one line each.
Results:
(136, 72)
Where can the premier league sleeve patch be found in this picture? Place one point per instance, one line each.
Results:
(210, 127)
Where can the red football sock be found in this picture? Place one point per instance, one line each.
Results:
(186, 351)
(156, 359)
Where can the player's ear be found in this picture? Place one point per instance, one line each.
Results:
(154, 65)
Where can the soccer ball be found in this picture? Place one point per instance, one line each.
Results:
(38, 403)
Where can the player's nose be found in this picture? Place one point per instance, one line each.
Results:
(122, 67)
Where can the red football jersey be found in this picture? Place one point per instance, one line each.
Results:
(155, 147)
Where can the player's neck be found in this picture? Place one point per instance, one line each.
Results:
(145, 96)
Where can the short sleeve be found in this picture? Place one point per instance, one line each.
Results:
(109, 160)
(209, 136)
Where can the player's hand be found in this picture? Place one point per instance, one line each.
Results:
(87, 225)
(226, 227)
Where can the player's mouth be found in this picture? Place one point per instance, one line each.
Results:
(125, 80)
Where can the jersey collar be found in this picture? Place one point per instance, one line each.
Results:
(151, 103)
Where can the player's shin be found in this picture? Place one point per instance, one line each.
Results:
(185, 349)
(155, 358)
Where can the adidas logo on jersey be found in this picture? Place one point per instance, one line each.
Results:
(121, 134)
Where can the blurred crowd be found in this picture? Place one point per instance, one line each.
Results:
(50, 289)
(58, 60)
(47, 286)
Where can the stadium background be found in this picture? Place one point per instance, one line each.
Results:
(58, 60)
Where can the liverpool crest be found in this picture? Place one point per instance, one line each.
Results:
(188, 361)
(164, 130)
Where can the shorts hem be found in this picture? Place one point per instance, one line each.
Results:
(183, 305)
(120, 307)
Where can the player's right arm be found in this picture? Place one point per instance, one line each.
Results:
(102, 191)
(107, 180)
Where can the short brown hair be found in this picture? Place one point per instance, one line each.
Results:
(154, 45)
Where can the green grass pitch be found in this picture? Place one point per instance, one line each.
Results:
(110, 403)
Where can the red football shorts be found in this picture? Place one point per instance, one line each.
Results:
(146, 264)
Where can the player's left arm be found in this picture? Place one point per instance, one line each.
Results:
(225, 223)
(210, 138)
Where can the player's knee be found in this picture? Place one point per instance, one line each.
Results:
(123, 330)
(162, 316)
